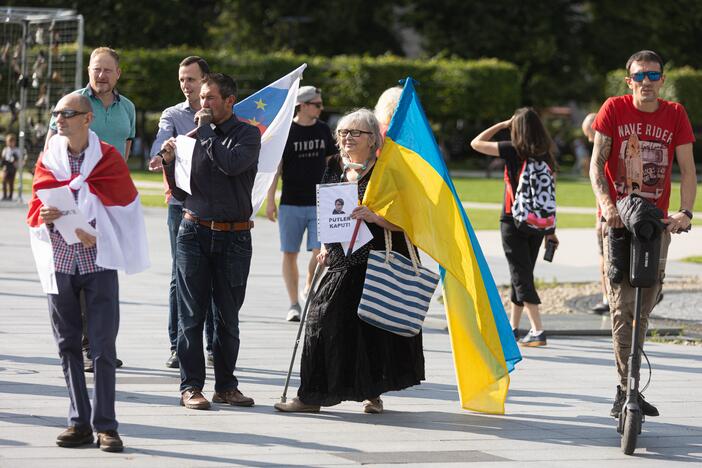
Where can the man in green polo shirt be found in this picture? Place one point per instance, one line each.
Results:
(114, 118)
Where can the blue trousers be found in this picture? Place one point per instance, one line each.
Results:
(175, 216)
(102, 311)
(212, 266)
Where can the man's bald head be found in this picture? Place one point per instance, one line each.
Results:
(74, 101)
(587, 127)
(74, 114)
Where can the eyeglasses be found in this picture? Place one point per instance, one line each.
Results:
(652, 76)
(66, 114)
(318, 105)
(354, 133)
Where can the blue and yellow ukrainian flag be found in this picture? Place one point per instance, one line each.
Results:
(411, 187)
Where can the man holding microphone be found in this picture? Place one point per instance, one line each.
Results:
(213, 247)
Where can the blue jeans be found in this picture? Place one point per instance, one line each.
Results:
(102, 311)
(175, 216)
(212, 266)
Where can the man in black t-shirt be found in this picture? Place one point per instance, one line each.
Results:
(309, 144)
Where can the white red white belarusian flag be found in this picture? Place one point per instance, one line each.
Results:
(106, 193)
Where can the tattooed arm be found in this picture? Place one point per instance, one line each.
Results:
(600, 155)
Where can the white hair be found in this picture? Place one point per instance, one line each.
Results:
(387, 102)
(366, 119)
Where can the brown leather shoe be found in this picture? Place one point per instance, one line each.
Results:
(296, 406)
(373, 406)
(109, 441)
(75, 437)
(193, 398)
(232, 397)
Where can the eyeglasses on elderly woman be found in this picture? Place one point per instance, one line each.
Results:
(342, 132)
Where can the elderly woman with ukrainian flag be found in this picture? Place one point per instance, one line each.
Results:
(345, 358)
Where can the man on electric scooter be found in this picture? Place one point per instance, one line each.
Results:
(663, 129)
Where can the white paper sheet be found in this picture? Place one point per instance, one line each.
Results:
(71, 217)
(363, 237)
(335, 202)
(44, 258)
(184, 160)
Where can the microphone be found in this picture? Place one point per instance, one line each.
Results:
(191, 133)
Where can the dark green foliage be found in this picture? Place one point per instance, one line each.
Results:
(544, 39)
(621, 28)
(145, 23)
(307, 26)
(478, 91)
(459, 96)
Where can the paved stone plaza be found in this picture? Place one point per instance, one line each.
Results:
(557, 409)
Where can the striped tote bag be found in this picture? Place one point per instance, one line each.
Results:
(397, 290)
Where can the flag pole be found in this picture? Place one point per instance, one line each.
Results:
(353, 237)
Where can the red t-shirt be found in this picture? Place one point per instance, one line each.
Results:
(659, 132)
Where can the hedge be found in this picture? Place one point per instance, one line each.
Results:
(475, 91)
(683, 85)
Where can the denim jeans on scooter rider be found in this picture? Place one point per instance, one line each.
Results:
(211, 266)
(175, 216)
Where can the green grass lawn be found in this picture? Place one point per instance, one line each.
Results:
(696, 259)
(482, 219)
(568, 192)
(140, 175)
(577, 193)
(149, 199)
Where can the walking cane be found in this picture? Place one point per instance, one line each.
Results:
(319, 269)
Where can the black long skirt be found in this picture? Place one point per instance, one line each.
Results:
(343, 357)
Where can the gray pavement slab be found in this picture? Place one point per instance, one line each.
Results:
(557, 408)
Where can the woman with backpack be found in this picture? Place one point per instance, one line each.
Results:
(529, 149)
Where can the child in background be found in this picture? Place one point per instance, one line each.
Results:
(10, 161)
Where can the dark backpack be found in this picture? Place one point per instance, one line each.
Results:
(534, 205)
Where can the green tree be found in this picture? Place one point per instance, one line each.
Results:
(125, 24)
(307, 26)
(618, 29)
(544, 39)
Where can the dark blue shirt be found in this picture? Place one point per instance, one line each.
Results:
(225, 162)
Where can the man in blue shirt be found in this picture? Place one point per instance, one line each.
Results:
(179, 120)
(115, 115)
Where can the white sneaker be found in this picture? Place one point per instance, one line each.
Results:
(294, 313)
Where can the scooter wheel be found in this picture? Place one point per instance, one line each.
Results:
(632, 423)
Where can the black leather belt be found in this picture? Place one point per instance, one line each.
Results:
(221, 225)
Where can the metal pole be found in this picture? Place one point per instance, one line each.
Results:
(319, 269)
(79, 52)
(49, 73)
(23, 106)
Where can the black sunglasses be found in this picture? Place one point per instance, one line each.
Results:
(318, 105)
(66, 114)
(652, 76)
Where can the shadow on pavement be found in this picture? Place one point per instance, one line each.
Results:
(189, 435)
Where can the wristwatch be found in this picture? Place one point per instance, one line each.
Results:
(688, 213)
